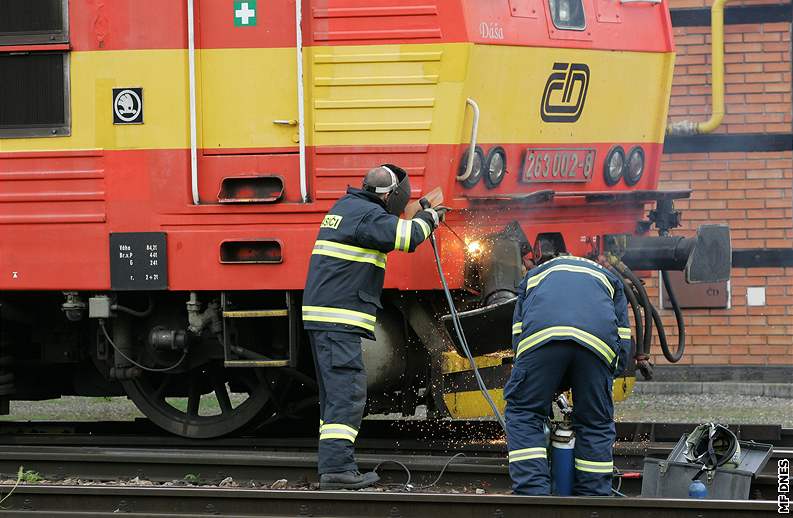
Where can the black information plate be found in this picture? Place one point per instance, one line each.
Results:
(138, 261)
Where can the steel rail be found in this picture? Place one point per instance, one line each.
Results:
(265, 467)
(173, 502)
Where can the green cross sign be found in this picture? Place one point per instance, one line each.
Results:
(245, 13)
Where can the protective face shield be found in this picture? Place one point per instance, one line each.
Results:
(713, 446)
(398, 191)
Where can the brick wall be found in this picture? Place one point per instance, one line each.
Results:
(751, 191)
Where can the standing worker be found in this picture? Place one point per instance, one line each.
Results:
(570, 329)
(340, 304)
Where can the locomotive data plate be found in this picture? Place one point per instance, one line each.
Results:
(558, 165)
(138, 261)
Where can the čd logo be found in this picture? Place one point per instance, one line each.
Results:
(565, 92)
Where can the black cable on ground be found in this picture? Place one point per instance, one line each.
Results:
(681, 325)
(406, 485)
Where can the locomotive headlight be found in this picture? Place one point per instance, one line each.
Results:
(495, 166)
(614, 165)
(476, 170)
(635, 168)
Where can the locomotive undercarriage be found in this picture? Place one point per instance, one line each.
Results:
(199, 365)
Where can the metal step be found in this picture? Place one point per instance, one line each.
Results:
(256, 363)
(256, 313)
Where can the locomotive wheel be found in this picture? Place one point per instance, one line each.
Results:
(219, 400)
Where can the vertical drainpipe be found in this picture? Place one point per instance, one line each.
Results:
(193, 122)
(301, 115)
(687, 127)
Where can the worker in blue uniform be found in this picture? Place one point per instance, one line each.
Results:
(340, 304)
(570, 329)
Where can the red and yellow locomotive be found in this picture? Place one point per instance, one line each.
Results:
(164, 168)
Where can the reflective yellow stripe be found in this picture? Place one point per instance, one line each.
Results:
(527, 454)
(517, 328)
(425, 227)
(566, 332)
(624, 332)
(403, 230)
(339, 316)
(408, 229)
(592, 466)
(349, 253)
(398, 238)
(534, 281)
(337, 431)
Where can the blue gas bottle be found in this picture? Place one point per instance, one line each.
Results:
(562, 465)
(697, 490)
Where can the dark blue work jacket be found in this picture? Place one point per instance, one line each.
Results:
(347, 268)
(571, 298)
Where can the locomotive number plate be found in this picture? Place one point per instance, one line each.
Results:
(558, 165)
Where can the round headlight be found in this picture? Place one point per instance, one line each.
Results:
(476, 170)
(614, 165)
(633, 172)
(495, 166)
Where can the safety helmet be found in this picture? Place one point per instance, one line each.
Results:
(398, 190)
(713, 446)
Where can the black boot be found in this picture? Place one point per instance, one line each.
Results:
(347, 480)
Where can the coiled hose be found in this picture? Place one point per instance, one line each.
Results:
(644, 311)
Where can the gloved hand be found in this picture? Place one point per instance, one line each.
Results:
(436, 218)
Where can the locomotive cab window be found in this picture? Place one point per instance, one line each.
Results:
(34, 68)
(568, 14)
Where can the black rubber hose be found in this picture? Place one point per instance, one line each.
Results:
(681, 325)
(140, 314)
(645, 302)
(459, 331)
(630, 294)
(637, 313)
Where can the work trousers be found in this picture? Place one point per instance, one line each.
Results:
(537, 376)
(342, 397)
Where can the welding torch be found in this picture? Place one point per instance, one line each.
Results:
(458, 328)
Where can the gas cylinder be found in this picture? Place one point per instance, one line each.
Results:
(562, 444)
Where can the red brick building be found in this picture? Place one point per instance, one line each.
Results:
(741, 175)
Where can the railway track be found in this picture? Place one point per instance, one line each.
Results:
(88, 502)
(59, 451)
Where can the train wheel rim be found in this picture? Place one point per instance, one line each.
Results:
(183, 415)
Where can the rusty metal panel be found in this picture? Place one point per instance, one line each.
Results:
(701, 295)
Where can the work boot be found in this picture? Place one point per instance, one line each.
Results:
(347, 480)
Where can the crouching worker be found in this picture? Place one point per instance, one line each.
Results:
(340, 304)
(570, 329)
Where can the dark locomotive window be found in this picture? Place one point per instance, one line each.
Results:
(34, 68)
(32, 21)
(568, 14)
(33, 91)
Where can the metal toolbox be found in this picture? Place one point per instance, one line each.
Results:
(670, 478)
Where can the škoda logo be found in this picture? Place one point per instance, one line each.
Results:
(565, 92)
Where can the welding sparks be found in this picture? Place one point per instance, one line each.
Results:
(475, 248)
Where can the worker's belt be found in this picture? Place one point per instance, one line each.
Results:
(537, 279)
(624, 332)
(337, 431)
(527, 454)
(592, 466)
(339, 316)
(349, 252)
(566, 332)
